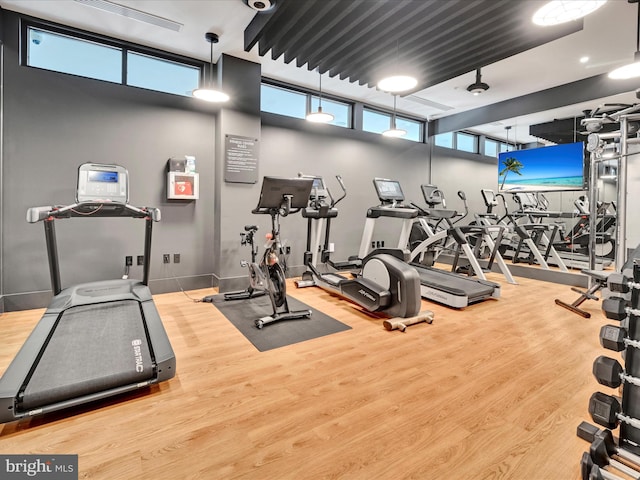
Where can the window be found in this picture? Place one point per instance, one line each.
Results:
(467, 142)
(340, 111)
(413, 128)
(505, 147)
(375, 122)
(490, 148)
(444, 140)
(378, 122)
(62, 53)
(161, 75)
(65, 53)
(282, 101)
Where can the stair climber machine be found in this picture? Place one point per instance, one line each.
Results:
(437, 231)
(95, 340)
(437, 285)
(385, 282)
(523, 240)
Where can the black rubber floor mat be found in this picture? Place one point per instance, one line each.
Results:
(243, 313)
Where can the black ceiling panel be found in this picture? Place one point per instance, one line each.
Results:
(435, 40)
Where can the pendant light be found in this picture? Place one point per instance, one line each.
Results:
(319, 116)
(393, 130)
(562, 11)
(397, 83)
(507, 128)
(630, 70)
(211, 94)
(479, 86)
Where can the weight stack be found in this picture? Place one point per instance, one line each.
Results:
(630, 436)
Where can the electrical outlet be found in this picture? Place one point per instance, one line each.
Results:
(287, 250)
(176, 258)
(128, 260)
(166, 258)
(140, 259)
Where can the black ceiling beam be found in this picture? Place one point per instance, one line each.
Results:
(592, 88)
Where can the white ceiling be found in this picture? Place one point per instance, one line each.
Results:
(608, 39)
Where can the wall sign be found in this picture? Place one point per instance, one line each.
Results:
(240, 159)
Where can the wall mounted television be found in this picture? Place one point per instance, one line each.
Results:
(545, 169)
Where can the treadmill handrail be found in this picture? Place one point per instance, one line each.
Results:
(93, 208)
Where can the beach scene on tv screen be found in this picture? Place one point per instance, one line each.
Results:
(558, 167)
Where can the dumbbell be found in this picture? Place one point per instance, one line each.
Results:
(605, 410)
(618, 282)
(617, 308)
(591, 470)
(603, 444)
(609, 372)
(615, 338)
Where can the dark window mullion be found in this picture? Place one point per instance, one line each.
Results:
(125, 54)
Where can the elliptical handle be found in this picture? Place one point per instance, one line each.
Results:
(344, 191)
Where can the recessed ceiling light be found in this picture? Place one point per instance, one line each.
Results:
(561, 11)
(584, 59)
(397, 83)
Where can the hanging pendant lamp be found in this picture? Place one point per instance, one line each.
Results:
(556, 12)
(393, 130)
(319, 116)
(630, 70)
(211, 94)
(397, 83)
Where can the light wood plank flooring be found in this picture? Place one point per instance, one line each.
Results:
(492, 391)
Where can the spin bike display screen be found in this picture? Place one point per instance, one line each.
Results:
(388, 190)
(274, 189)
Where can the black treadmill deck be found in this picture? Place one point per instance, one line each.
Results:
(91, 349)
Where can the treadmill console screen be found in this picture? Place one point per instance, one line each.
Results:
(388, 190)
(102, 183)
(98, 176)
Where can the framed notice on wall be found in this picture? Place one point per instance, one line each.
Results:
(240, 159)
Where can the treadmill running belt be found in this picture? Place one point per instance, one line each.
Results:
(453, 283)
(92, 349)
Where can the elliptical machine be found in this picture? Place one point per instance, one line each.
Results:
(385, 283)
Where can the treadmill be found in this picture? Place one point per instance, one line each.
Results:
(95, 340)
(437, 285)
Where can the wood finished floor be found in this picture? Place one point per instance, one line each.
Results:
(494, 391)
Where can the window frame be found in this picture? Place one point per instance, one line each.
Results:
(309, 95)
(123, 46)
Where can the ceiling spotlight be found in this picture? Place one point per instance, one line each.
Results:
(478, 87)
(397, 83)
(562, 11)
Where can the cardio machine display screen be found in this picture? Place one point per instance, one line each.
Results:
(318, 184)
(103, 176)
(388, 190)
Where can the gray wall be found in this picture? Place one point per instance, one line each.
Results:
(52, 123)
(326, 150)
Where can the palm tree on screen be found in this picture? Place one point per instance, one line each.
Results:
(510, 165)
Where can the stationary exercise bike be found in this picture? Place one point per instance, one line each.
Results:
(278, 197)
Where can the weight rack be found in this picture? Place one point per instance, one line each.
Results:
(608, 410)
